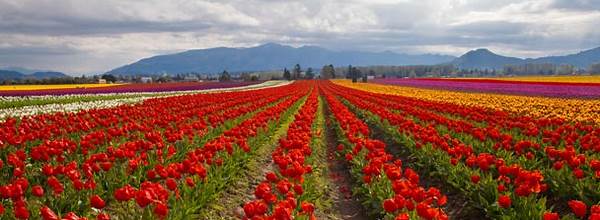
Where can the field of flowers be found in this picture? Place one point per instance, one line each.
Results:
(560, 79)
(566, 108)
(119, 88)
(266, 152)
(528, 88)
(44, 87)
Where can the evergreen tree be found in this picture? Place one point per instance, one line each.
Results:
(355, 73)
(296, 72)
(349, 73)
(332, 71)
(286, 74)
(309, 73)
(224, 76)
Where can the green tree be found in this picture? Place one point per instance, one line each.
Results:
(328, 72)
(109, 78)
(224, 76)
(296, 72)
(286, 74)
(349, 73)
(332, 71)
(355, 73)
(309, 73)
(594, 69)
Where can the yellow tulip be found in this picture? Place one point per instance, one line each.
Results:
(569, 109)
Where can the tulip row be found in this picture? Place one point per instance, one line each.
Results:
(496, 179)
(388, 189)
(57, 186)
(225, 155)
(17, 107)
(68, 107)
(514, 140)
(536, 107)
(547, 79)
(290, 160)
(561, 90)
(138, 150)
(18, 102)
(53, 126)
(125, 88)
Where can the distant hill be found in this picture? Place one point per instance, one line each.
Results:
(25, 71)
(14, 75)
(267, 57)
(10, 75)
(582, 59)
(485, 59)
(47, 75)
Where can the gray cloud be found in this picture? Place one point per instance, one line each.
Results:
(578, 5)
(86, 36)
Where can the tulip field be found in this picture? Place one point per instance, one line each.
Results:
(408, 148)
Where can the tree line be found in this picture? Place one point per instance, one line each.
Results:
(331, 72)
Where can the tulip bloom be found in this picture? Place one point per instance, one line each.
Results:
(578, 208)
(504, 201)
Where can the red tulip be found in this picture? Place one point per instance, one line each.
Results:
(504, 201)
(349, 157)
(402, 216)
(189, 182)
(557, 165)
(307, 207)
(595, 209)
(97, 202)
(143, 198)
(124, 193)
(578, 173)
(171, 184)
(48, 214)
(71, 216)
(501, 188)
(579, 208)
(161, 209)
(21, 212)
(475, 179)
(37, 191)
(442, 201)
(103, 216)
(453, 161)
(272, 177)
(551, 216)
(390, 205)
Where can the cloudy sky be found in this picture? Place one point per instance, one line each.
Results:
(91, 36)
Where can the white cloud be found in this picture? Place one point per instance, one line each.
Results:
(84, 36)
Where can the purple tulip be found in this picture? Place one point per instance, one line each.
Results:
(559, 90)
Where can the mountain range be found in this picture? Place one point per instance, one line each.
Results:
(15, 75)
(273, 56)
(485, 59)
(267, 57)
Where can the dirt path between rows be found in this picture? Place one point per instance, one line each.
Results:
(346, 205)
